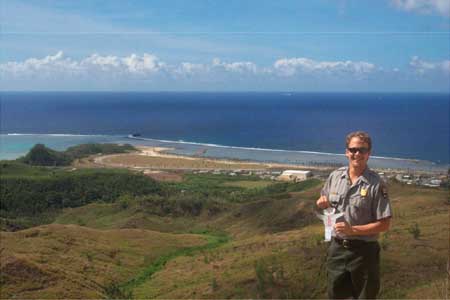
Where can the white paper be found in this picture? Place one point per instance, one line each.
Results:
(329, 218)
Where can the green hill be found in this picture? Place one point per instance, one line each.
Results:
(32, 195)
(69, 261)
(40, 155)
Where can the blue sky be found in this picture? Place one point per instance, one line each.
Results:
(309, 45)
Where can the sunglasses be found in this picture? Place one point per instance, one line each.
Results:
(360, 150)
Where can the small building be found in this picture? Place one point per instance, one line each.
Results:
(294, 175)
(436, 182)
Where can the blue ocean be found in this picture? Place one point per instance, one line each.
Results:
(407, 129)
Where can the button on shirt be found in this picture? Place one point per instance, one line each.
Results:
(365, 201)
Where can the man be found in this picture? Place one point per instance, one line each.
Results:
(359, 193)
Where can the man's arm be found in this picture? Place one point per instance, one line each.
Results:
(381, 225)
(322, 202)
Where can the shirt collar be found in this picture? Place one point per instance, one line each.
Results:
(364, 176)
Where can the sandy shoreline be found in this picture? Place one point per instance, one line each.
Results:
(156, 158)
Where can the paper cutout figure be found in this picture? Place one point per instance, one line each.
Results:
(329, 218)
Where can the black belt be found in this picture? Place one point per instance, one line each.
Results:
(348, 244)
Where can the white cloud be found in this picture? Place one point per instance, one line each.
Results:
(58, 70)
(239, 67)
(187, 68)
(292, 66)
(146, 63)
(105, 63)
(148, 66)
(441, 7)
(59, 65)
(48, 64)
(133, 64)
(421, 66)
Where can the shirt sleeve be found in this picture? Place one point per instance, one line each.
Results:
(326, 187)
(381, 205)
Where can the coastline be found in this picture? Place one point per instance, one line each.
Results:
(149, 158)
(292, 158)
(15, 145)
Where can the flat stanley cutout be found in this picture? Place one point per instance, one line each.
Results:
(329, 218)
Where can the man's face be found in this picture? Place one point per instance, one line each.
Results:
(356, 153)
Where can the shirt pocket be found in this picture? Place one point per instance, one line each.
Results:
(359, 209)
(359, 201)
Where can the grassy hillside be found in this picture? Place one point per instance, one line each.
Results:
(270, 244)
(290, 264)
(236, 210)
(69, 261)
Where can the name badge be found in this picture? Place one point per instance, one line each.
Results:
(363, 192)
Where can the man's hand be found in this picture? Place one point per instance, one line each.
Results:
(343, 228)
(322, 202)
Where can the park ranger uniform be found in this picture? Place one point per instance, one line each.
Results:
(353, 261)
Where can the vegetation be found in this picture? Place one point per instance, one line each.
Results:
(209, 236)
(42, 191)
(74, 262)
(113, 290)
(40, 155)
(237, 189)
(84, 150)
(415, 231)
(31, 193)
(214, 241)
(291, 263)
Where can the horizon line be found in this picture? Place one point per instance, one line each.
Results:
(221, 32)
(225, 91)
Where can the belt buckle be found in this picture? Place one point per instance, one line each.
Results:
(346, 244)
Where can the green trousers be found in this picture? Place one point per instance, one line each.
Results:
(353, 272)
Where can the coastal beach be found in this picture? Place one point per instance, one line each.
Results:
(158, 163)
(157, 158)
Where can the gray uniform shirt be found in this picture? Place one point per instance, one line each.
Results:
(366, 201)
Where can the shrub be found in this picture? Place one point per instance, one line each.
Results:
(214, 285)
(414, 230)
(125, 201)
(384, 242)
(263, 277)
(113, 290)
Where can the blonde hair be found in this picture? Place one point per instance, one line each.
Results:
(363, 136)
